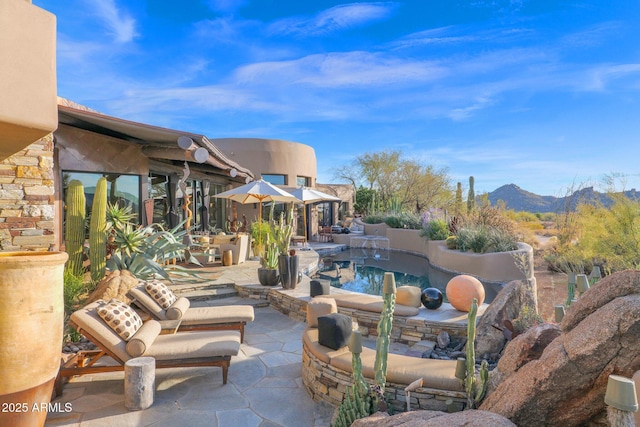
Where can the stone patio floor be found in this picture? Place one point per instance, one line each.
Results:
(264, 385)
(264, 388)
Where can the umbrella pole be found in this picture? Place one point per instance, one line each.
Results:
(304, 220)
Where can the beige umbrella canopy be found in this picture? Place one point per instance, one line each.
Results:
(258, 192)
(310, 196)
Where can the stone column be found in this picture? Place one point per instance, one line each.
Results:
(139, 383)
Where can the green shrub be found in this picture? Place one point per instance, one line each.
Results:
(501, 241)
(527, 318)
(73, 290)
(374, 219)
(395, 220)
(452, 242)
(473, 238)
(436, 229)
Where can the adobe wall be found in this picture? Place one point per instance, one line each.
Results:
(27, 199)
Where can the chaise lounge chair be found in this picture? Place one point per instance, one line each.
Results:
(231, 317)
(184, 349)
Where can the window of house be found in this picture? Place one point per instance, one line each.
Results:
(121, 189)
(275, 179)
(304, 181)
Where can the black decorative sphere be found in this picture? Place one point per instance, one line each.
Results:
(431, 298)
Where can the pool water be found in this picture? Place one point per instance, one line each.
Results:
(359, 270)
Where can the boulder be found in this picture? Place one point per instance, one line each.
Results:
(522, 350)
(114, 285)
(566, 384)
(506, 306)
(434, 419)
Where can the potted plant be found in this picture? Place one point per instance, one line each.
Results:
(288, 261)
(268, 274)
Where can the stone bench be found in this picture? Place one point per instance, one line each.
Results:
(326, 373)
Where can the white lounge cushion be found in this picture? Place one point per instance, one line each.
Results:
(143, 339)
(178, 309)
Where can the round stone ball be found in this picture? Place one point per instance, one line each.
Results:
(431, 298)
(462, 289)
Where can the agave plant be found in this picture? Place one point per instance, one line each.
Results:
(118, 216)
(143, 250)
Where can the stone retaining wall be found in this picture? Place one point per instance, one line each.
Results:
(27, 199)
(327, 383)
(405, 330)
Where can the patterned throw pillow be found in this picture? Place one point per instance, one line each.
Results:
(121, 318)
(159, 292)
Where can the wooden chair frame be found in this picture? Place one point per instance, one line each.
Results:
(85, 362)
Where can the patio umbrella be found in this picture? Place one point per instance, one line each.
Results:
(258, 192)
(310, 196)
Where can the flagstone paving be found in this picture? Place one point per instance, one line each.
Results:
(264, 388)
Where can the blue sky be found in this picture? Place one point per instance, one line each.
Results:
(541, 94)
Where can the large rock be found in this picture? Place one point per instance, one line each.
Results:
(505, 306)
(522, 350)
(115, 285)
(434, 419)
(566, 384)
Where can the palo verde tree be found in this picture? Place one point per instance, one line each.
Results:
(411, 184)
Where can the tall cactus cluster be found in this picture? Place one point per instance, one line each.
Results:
(475, 390)
(353, 407)
(384, 329)
(282, 230)
(98, 231)
(361, 400)
(74, 226)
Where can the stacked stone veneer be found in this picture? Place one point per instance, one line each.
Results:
(406, 330)
(327, 383)
(27, 199)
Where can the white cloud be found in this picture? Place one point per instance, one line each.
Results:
(340, 69)
(337, 18)
(465, 112)
(600, 77)
(119, 23)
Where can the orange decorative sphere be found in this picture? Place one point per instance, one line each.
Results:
(462, 289)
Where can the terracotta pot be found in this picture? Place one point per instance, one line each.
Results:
(31, 328)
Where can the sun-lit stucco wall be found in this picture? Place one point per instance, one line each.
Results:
(271, 156)
(28, 109)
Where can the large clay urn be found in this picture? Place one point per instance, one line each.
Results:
(31, 328)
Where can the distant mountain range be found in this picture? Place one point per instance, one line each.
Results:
(521, 200)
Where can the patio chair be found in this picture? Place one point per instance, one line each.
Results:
(229, 317)
(239, 248)
(183, 349)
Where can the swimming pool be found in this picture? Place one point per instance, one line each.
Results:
(362, 270)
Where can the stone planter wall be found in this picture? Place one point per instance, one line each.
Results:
(328, 383)
(27, 199)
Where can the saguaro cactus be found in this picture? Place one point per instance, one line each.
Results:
(471, 197)
(98, 231)
(74, 226)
